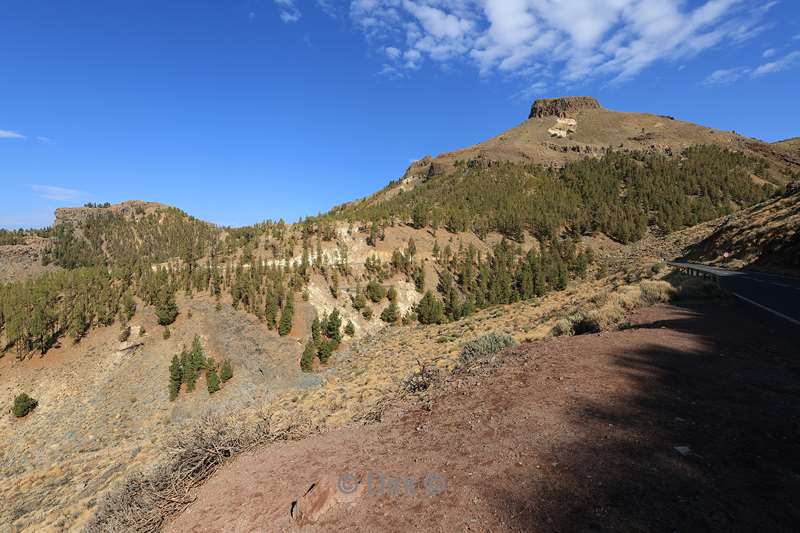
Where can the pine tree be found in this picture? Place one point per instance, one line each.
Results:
(271, 311)
(212, 380)
(430, 310)
(307, 359)
(166, 309)
(360, 300)
(175, 377)
(334, 287)
(333, 326)
(315, 329)
(325, 349)
(128, 307)
(287, 316)
(350, 329)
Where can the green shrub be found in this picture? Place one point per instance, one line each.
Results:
(367, 313)
(375, 291)
(360, 301)
(226, 372)
(350, 329)
(484, 346)
(391, 313)
(23, 404)
(562, 328)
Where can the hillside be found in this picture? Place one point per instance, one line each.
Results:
(576, 166)
(790, 145)
(121, 320)
(646, 429)
(763, 237)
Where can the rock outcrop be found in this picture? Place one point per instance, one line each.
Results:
(564, 107)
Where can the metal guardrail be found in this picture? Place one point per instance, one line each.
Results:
(691, 270)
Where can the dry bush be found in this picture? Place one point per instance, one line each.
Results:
(601, 318)
(145, 500)
(607, 311)
(656, 291)
(691, 288)
(484, 346)
(628, 297)
(421, 380)
(562, 327)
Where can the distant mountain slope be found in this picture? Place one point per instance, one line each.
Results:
(763, 237)
(127, 233)
(790, 145)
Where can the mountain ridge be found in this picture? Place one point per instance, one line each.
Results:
(564, 129)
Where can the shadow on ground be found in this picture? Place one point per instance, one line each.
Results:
(705, 441)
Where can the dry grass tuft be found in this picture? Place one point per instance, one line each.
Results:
(656, 291)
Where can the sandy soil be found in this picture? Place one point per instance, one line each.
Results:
(687, 421)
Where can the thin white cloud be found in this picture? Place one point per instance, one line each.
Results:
(786, 62)
(329, 7)
(726, 76)
(288, 11)
(570, 40)
(769, 52)
(392, 52)
(61, 194)
(44, 140)
(8, 134)
(731, 75)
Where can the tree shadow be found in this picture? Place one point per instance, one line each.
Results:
(706, 439)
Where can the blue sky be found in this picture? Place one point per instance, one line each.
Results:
(241, 110)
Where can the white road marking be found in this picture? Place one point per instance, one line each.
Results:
(765, 308)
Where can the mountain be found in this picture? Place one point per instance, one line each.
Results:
(120, 318)
(559, 130)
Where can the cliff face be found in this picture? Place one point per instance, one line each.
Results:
(566, 106)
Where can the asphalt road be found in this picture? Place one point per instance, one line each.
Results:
(777, 295)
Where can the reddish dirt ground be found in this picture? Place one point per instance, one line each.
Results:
(687, 421)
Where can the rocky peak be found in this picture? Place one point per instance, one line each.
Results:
(562, 107)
